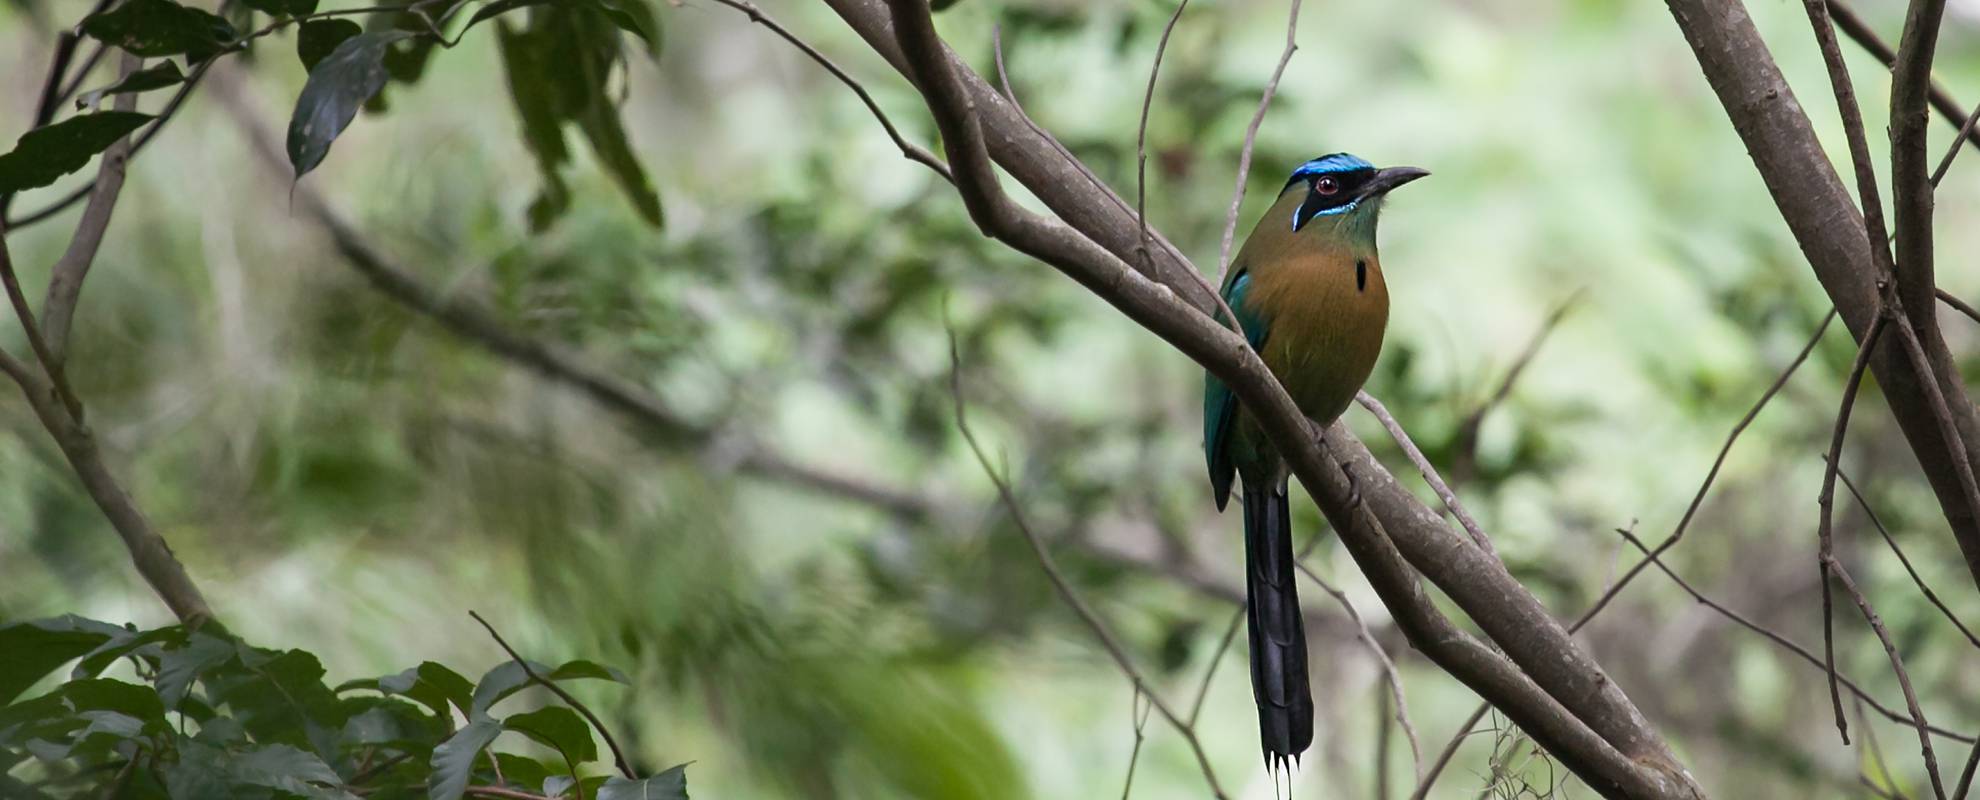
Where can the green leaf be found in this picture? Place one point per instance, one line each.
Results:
(508, 677)
(152, 28)
(276, 8)
(105, 694)
(453, 761)
(560, 728)
(180, 666)
(336, 89)
(523, 770)
(166, 73)
(290, 770)
(201, 771)
(668, 785)
(450, 683)
(320, 37)
(31, 650)
(634, 17)
(279, 697)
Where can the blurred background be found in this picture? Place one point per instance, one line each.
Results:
(811, 580)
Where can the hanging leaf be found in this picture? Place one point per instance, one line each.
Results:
(47, 153)
(290, 770)
(320, 37)
(166, 73)
(668, 785)
(337, 87)
(634, 17)
(453, 761)
(559, 728)
(558, 68)
(153, 28)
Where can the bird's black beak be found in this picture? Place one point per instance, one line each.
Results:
(1389, 178)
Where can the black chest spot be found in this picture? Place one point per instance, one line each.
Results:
(1360, 275)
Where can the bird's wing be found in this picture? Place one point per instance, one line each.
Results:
(1219, 405)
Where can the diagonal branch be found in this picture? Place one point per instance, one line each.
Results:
(65, 279)
(1251, 138)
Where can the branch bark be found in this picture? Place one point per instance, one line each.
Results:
(1820, 213)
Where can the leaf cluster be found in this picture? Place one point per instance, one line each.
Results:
(203, 714)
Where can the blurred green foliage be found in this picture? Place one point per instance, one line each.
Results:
(344, 477)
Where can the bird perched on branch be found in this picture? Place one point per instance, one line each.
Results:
(1307, 290)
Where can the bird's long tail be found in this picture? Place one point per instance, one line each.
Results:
(1278, 639)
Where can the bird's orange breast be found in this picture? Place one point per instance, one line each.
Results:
(1328, 308)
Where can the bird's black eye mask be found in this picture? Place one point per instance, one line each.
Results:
(1328, 193)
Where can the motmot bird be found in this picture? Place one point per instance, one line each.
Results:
(1307, 291)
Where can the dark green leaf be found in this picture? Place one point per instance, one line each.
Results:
(560, 728)
(166, 73)
(288, 769)
(668, 785)
(153, 28)
(336, 89)
(279, 697)
(31, 650)
(104, 694)
(453, 761)
(508, 677)
(179, 667)
(635, 17)
(201, 771)
(450, 683)
(47, 153)
(522, 770)
(380, 720)
(276, 8)
(320, 37)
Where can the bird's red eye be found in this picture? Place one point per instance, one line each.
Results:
(1326, 185)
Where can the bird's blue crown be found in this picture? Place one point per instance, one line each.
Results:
(1334, 163)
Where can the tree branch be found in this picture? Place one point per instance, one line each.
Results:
(1251, 138)
(65, 279)
(1833, 238)
(1860, 32)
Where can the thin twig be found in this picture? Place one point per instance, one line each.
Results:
(505, 794)
(913, 151)
(65, 279)
(1897, 666)
(1140, 717)
(1825, 528)
(1966, 775)
(1390, 675)
(618, 756)
(1064, 588)
(1677, 533)
(1876, 755)
(1450, 749)
(1711, 475)
(1217, 657)
(1141, 134)
(1857, 30)
(1465, 443)
(1930, 596)
(1957, 304)
(36, 342)
(1953, 148)
(1428, 470)
(1251, 139)
(1779, 639)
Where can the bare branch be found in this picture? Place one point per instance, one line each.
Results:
(1930, 595)
(65, 279)
(618, 755)
(1897, 666)
(1064, 588)
(1860, 32)
(1957, 304)
(1705, 486)
(1251, 138)
(1390, 675)
(1827, 500)
(1953, 147)
(913, 151)
(1465, 444)
(1216, 657)
(1428, 470)
(1141, 131)
(1816, 207)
